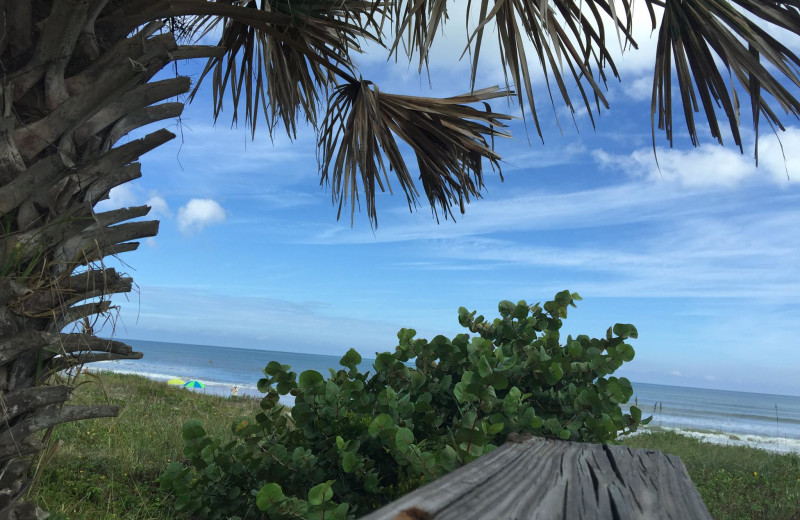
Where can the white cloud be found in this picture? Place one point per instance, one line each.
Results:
(199, 213)
(712, 166)
(708, 166)
(158, 206)
(639, 89)
(123, 196)
(772, 154)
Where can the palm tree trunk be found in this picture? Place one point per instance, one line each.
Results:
(68, 95)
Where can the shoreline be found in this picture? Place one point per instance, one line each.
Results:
(776, 445)
(773, 444)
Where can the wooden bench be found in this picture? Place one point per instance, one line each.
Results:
(534, 478)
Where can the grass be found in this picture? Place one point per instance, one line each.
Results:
(107, 468)
(736, 482)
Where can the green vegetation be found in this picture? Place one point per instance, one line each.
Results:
(108, 468)
(355, 441)
(736, 482)
(122, 451)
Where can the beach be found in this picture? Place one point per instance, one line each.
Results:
(770, 422)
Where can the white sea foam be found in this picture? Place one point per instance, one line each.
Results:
(763, 442)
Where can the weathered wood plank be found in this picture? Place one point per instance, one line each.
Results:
(534, 478)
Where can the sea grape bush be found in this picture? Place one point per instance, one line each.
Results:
(355, 441)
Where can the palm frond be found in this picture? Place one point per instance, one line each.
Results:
(694, 33)
(449, 139)
(280, 68)
(566, 35)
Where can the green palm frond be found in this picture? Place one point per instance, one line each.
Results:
(695, 32)
(449, 139)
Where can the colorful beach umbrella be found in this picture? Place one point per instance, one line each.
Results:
(194, 384)
(176, 381)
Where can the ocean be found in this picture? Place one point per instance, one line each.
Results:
(741, 418)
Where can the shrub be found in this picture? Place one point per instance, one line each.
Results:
(354, 441)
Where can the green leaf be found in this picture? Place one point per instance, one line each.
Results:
(626, 352)
(625, 330)
(498, 381)
(193, 429)
(273, 368)
(564, 434)
(309, 378)
(614, 392)
(240, 424)
(339, 513)
(556, 372)
(506, 308)
(320, 493)
(636, 414)
(495, 428)
(350, 462)
(448, 458)
(458, 391)
(379, 424)
(404, 438)
(269, 495)
(384, 361)
(507, 363)
(484, 369)
(351, 359)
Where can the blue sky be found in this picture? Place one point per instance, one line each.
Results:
(702, 256)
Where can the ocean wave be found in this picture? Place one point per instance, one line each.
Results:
(763, 442)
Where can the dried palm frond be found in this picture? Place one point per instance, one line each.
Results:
(565, 35)
(693, 32)
(280, 68)
(357, 143)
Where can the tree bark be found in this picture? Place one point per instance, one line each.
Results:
(68, 94)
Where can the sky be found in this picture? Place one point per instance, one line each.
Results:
(700, 255)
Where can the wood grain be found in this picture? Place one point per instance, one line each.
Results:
(535, 478)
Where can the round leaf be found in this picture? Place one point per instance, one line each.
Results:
(351, 359)
(350, 462)
(404, 438)
(193, 429)
(379, 424)
(269, 495)
(320, 493)
(309, 378)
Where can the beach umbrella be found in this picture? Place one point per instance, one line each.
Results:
(176, 381)
(194, 384)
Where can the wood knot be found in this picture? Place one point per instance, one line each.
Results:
(413, 513)
(519, 438)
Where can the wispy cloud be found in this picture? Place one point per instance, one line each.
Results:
(681, 258)
(540, 210)
(712, 165)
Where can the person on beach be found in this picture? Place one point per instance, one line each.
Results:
(235, 390)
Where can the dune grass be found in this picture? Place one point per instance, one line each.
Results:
(736, 482)
(107, 468)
